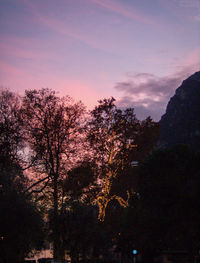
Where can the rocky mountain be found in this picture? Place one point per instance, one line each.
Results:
(181, 122)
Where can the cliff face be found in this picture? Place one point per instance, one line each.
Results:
(181, 122)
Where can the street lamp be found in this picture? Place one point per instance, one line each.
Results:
(135, 252)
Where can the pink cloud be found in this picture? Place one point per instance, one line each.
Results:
(20, 42)
(189, 63)
(6, 68)
(93, 40)
(125, 11)
(16, 78)
(62, 28)
(193, 57)
(21, 52)
(50, 22)
(186, 9)
(196, 18)
(19, 80)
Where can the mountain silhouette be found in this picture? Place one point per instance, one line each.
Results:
(181, 122)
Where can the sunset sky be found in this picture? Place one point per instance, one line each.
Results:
(138, 51)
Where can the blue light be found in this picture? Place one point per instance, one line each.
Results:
(135, 251)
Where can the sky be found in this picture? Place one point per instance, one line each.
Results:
(138, 51)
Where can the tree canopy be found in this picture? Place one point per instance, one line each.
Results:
(52, 124)
(113, 135)
(21, 225)
(72, 166)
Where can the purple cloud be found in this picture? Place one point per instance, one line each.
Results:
(125, 11)
(148, 93)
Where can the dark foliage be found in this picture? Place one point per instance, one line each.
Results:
(168, 184)
(21, 225)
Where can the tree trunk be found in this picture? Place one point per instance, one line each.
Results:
(55, 220)
(74, 255)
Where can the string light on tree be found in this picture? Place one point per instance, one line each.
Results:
(111, 138)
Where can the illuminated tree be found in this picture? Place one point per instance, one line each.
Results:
(111, 134)
(52, 126)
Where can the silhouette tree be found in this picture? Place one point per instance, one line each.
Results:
(11, 130)
(19, 215)
(80, 183)
(111, 134)
(52, 125)
(21, 225)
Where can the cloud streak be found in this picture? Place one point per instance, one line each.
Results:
(115, 7)
(23, 52)
(61, 27)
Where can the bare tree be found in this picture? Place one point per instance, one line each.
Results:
(52, 125)
(111, 133)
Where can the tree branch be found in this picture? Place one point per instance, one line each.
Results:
(39, 191)
(36, 183)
